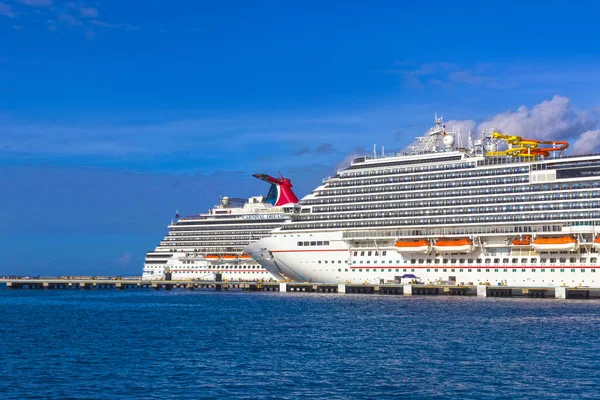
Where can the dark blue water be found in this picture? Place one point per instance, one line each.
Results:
(181, 344)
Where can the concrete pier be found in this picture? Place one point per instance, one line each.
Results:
(484, 291)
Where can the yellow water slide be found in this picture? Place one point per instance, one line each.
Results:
(519, 147)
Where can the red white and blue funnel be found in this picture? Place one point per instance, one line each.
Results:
(280, 192)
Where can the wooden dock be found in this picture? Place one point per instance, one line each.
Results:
(560, 292)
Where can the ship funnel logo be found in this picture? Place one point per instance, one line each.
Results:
(280, 192)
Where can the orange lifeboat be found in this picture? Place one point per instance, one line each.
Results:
(230, 257)
(597, 243)
(524, 241)
(212, 257)
(565, 243)
(245, 256)
(462, 245)
(413, 246)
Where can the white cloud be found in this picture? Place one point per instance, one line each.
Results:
(124, 259)
(551, 119)
(588, 142)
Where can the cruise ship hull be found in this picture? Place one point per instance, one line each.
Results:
(338, 263)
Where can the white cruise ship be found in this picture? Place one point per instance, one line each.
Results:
(501, 211)
(205, 245)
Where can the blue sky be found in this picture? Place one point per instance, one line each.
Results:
(114, 114)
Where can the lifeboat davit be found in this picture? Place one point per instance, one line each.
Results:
(212, 257)
(565, 243)
(597, 243)
(245, 256)
(453, 245)
(523, 241)
(413, 246)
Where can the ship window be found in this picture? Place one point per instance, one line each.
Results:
(319, 243)
(445, 261)
(582, 260)
(369, 253)
(470, 261)
(478, 269)
(306, 243)
(496, 270)
(362, 253)
(552, 260)
(562, 270)
(505, 270)
(383, 253)
(428, 261)
(523, 270)
(505, 260)
(435, 270)
(593, 270)
(299, 243)
(533, 260)
(421, 261)
(313, 243)
(469, 270)
(523, 260)
(356, 253)
(488, 260)
(564, 260)
(326, 243)
(514, 270)
(461, 261)
(487, 270)
(583, 270)
(437, 261)
(428, 270)
(593, 260)
(479, 261)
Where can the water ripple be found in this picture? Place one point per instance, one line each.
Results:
(143, 344)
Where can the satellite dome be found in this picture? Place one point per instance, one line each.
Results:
(225, 200)
(448, 141)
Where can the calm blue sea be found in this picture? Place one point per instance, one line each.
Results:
(180, 344)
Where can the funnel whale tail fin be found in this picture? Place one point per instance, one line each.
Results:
(280, 192)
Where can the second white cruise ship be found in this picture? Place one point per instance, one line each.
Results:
(502, 210)
(209, 246)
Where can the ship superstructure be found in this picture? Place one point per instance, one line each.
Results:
(204, 245)
(501, 210)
